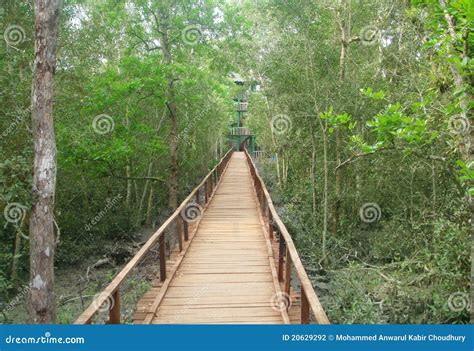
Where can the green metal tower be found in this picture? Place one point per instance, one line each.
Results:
(239, 135)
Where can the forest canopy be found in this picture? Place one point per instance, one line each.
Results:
(361, 112)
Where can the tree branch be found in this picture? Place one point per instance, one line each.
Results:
(355, 157)
(156, 179)
(146, 43)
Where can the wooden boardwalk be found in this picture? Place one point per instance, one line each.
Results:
(227, 274)
(236, 263)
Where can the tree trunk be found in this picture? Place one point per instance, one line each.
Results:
(128, 198)
(42, 244)
(313, 175)
(326, 188)
(128, 167)
(173, 181)
(172, 109)
(342, 75)
(16, 256)
(465, 146)
(338, 185)
(149, 211)
(145, 191)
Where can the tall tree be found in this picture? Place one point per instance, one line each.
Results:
(42, 240)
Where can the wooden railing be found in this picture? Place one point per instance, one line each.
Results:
(112, 291)
(287, 255)
(240, 131)
(241, 106)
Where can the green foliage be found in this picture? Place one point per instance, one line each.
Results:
(365, 121)
(337, 121)
(112, 120)
(370, 124)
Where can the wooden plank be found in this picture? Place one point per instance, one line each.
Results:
(210, 300)
(220, 312)
(223, 278)
(179, 319)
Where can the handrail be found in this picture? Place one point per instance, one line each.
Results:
(112, 290)
(309, 299)
(243, 131)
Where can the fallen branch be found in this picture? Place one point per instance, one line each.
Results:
(155, 179)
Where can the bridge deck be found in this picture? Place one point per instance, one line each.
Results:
(227, 274)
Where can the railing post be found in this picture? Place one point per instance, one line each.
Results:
(270, 225)
(206, 190)
(162, 257)
(179, 232)
(288, 272)
(185, 228)
(304, 307)
(281, 254)
(114, 312)
(197, 196)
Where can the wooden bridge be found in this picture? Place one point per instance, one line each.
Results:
(224, 256)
